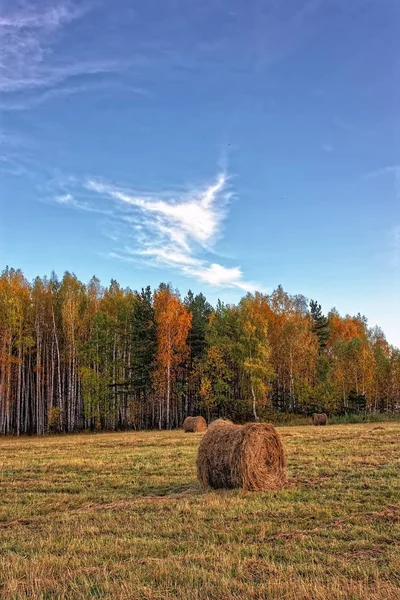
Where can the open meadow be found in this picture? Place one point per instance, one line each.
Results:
(121, 515)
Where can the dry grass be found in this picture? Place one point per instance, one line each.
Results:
(121, 516)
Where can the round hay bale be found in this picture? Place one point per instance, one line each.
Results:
(248, 456)
(188, 424)
(319, 419)
(193, 424)
(220, 423)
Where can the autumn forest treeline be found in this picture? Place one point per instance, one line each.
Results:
(76, 356)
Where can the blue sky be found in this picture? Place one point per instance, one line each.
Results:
(219, 145)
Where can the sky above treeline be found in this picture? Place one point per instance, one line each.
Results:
(222, 146)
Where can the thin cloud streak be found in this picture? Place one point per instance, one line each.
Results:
(388, 170)
(392, 170)
(68, 200)
(23, 102)
(167, 256)
(394, 246)
(28, 34)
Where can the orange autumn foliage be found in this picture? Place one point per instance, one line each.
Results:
(173, 324)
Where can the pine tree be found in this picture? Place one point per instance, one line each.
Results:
(201, 311)
(320, 324)
(144, 341)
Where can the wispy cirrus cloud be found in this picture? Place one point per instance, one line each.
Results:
(393, 236)
(14, 154)
(172, 230)
(70, 201)
(65, 199)
(36, 98)
(196, 217)
(387, 170)
(394, 246)
(392, 171)
(28, 32)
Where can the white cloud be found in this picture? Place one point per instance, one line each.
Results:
(28, 34)
(219, 276)
(197, 217)
(69, 201)
(65, 199)
(172, 230)
(168, 256)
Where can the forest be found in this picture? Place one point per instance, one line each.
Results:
(76, 356)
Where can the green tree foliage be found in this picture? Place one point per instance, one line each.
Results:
(356, 403)
(76, 356)
(320, 324)
(144, 342)
(201, 311)
(255, 350)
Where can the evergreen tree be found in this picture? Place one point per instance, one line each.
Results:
(144, 342)
(356, 403)
(320, 324)
(201, 311)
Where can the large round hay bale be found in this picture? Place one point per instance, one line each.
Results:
(319, 419)
(248, 456)
(193, 424)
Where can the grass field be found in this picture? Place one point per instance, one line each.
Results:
(121, 516)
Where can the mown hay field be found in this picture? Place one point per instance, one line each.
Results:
(121, 516)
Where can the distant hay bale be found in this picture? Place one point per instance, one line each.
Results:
(248, 456)
(220, 423)
(319, 419)
(193, 424)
